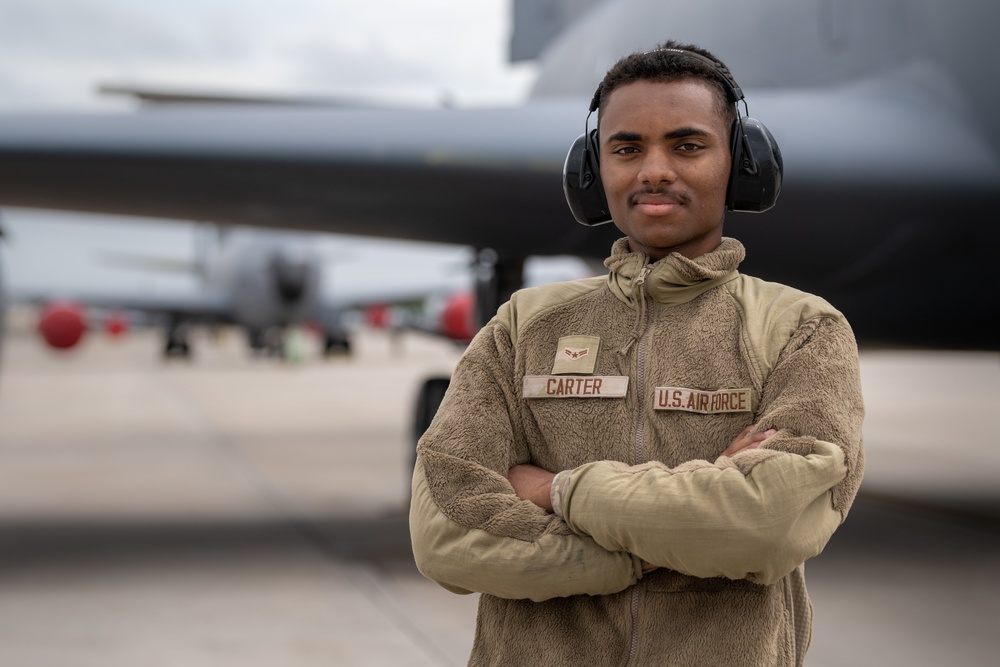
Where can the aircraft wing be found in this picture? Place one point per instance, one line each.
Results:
(203, 307)
(880, 179)
(488, 178)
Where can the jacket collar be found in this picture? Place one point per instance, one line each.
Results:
(675, 279)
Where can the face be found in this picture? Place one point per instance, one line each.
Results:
(664, 151)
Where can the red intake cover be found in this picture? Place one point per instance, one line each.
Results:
(456, 319)
(62, 324)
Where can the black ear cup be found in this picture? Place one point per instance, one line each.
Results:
(582, 182)
(755, 176)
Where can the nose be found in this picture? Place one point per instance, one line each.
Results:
(657, 167)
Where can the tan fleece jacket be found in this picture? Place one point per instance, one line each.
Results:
(635, 383)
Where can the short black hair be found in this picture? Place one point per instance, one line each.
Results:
(665, 63)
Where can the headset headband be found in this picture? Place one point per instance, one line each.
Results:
(733, 91)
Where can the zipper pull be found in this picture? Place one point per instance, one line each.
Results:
(640, 280)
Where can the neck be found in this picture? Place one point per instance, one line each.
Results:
(691, 249)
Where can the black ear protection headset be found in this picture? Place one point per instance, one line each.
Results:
(754, 179)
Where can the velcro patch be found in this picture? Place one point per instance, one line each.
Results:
(576, 354)
(704, 402)
(561, 386)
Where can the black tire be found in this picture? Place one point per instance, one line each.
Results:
(336, 346)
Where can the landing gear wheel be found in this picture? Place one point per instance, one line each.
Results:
(177, 344)
(336, 344)
(497, 277)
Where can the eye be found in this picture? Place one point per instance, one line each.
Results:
(625, 150)
(690, 147)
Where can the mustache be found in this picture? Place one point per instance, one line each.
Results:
(664, 193)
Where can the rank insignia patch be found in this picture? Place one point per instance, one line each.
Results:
(576, 355)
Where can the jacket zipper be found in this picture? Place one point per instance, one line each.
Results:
(640, 367)
(640, 427)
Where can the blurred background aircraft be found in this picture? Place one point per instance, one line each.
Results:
(416, 289)
(261, 281)
(95, 272)
(875, 94)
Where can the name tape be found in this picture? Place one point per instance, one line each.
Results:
(562, 386)
(705, 402)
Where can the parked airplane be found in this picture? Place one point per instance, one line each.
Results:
(259, 280)
(883, 110)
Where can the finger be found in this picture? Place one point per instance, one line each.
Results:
(757, 439)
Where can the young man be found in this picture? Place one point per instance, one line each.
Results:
(705, 426)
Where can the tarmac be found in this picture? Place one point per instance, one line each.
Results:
(231, 510)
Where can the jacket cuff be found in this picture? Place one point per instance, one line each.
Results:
(559, 484)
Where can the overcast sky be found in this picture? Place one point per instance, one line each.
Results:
(54, 53)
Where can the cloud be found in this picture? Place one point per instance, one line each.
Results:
(90, 29)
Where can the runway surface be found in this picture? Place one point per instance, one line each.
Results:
(236, 511)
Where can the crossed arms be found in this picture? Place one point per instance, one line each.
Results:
(478, 523)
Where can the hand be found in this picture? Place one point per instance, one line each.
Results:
(746, 441)
(532, 483)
